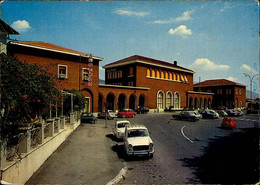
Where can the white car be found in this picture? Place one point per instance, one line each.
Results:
(119, 131)
(137, 141)
(110, 114)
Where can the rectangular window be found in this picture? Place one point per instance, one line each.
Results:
(219, 91)
(131, 71)
(62, 71)
(114, 74)
(236, 91)
(119, 74)
(85, 74)
(131, 83)
(240, 91)
(228, 91)
(109, 75)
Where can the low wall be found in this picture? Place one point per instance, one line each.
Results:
(20, 171)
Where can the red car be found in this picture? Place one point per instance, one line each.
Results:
(126, 113)
(229, 122)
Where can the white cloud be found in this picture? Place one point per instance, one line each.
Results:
(131, 13)
(21, 26)
(232, 79)
(186, 16)
(246, 67)
(181, 31)
(206, 64)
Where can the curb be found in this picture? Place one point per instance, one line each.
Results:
(119, 177)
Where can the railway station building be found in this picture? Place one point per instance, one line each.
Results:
(129, 83)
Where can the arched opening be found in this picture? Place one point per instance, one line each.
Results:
(142, 100)
(205, 103)
(160, 98)
(177, 100)
(191, 102)
(169, 99)
(89, 100)
(157, 74)
(209, 103)
(201, 103)
(196, 103)
(100, 102)
(152, 73)
(132, 103)
(111, 101)
(148, 73)
(121, 101)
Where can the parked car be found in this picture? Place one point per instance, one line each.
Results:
(88, 118)
(119, 131)
(170, 109)
(126, 113)
(228, 122)
(240, 112)
(209, 114)
(222, 113)
(232, 112)
(110, 114)
(142, 110)
(137, 141)
(186, 115)
(198, 114)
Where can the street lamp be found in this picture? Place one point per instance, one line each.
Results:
(251, 80)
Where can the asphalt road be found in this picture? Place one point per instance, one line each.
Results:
(185, 152)
(196, 152)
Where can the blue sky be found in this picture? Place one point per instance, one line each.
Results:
(217, 39)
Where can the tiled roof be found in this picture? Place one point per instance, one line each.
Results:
(52, 47)
(5, 28)
(146, 59)
(217, 82)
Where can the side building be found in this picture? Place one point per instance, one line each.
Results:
(73, 69)
(227, 94)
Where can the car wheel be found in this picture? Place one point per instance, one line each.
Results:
(123, 116)
(151, 156)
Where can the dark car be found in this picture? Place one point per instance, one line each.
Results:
(222, 113)
(228, 122)
(88, 118)
(211, 114)
(232, 113)
(142, 110)
(186, 115)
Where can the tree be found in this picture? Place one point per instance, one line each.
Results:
(79, 101)
(26, 91)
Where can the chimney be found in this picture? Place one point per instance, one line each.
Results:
(175, 63)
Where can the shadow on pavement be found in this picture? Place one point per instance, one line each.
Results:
(233, 159)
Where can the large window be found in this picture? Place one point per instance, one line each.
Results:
(85, 74)
(168, 99)
(160, 100)
(176, 100)
(62, 71)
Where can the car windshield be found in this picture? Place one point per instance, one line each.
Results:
(122, 125)
(228, 119)
(138, 133)
(87, 115)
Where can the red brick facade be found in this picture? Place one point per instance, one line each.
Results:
(227, 94)
(131, 82)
